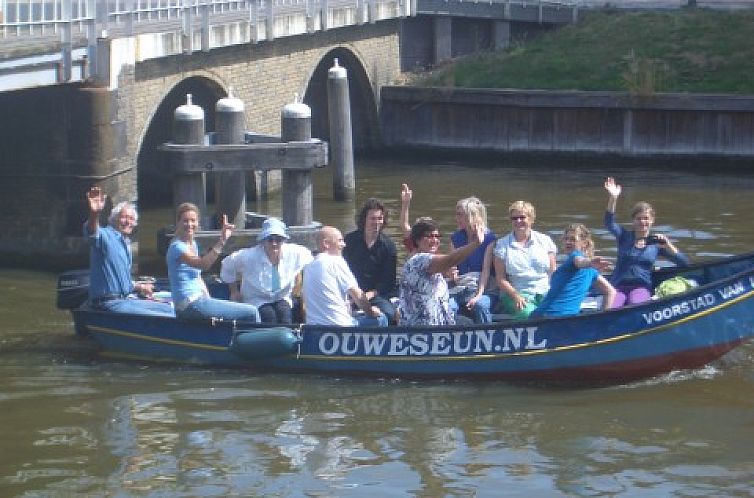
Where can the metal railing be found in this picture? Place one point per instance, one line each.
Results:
(31, 28)
(43, 18)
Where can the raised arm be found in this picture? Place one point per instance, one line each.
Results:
(483, 276)
(205, 262)
(440, 263)
(501, 275)
(613, 191)
(599, 263)
(96, 200)
(406, 195)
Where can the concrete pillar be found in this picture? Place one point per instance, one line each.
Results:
(341, 135)
(501, 34)
(92, 138)
(230, 186)
(101, 74)
(298, 198)
(91, 147)
(443, 39)
(188, 128)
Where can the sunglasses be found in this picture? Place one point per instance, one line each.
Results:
(518, 218)
(277, 239)
(432, 236)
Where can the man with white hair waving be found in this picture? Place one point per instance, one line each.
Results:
(110, 260)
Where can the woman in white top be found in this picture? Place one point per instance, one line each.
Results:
(524, 260)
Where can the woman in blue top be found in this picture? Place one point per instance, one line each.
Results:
(572, 280)
(637, 250)
(190, 295)
(478, 295)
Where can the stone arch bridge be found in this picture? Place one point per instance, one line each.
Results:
(265, 78)
(107, 127)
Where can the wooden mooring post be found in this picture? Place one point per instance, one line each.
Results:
(296, 154)
(230, 186)
(341, 139)
(296, 126)
(188, 129)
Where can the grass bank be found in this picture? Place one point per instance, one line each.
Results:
(688, 50)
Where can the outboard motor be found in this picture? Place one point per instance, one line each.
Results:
(73, 289)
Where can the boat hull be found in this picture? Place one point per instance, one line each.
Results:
(681, 332)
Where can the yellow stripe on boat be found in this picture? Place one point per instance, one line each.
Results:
(142, 337)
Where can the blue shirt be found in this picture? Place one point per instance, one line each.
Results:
(185, 280)
(569, 286)
(475, 260)
(109, 262)
(634, 265)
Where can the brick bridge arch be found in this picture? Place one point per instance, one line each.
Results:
(265, 77)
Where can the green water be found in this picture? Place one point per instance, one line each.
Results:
(76, 423)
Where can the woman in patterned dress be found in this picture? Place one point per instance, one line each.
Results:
(424, 297)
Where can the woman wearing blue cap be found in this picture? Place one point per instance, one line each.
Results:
(267, 272)
(190, 296)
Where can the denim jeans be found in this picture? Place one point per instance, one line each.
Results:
(384, 305)
(208, 307)
(136, 306)
(277, 312)
(482, 310)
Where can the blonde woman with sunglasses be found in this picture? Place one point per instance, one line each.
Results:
(523, 261)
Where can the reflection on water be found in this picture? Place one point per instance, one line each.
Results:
(173, 431)
(74, 423)
(105, 427)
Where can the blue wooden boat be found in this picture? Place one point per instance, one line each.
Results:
(683, 331)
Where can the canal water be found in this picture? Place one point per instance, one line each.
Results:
(77, 423)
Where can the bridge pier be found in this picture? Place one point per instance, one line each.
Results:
(56, 142)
